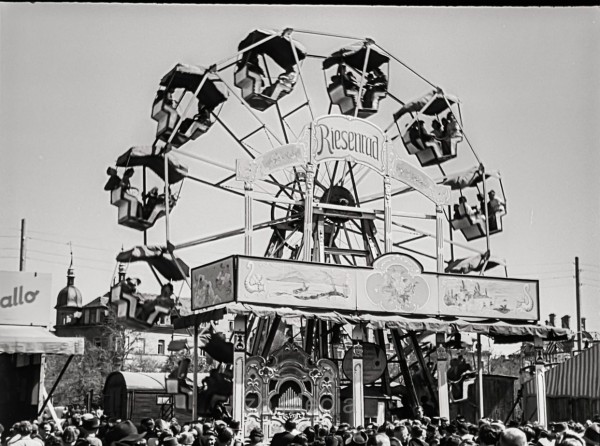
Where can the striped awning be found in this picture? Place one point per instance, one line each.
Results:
(577, 377)
(24, 339)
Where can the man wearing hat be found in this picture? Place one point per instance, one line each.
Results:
(591, 436)
(256, 437)
(186, 439)
(89, 429)
(123, 434)
(225, 437)
(287, 436)
(359, 438)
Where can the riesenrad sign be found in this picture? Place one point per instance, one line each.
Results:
(343, 137)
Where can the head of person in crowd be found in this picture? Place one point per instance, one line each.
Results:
(147, 425)
(512, 437)
(210, 437)
(169, 441)
(46, 429)
(310, 434)
(591, 436)
(186, 438)
(489, 434)
(256, 436)
(381, 439)
(401, 433)
(453, 440)
(417, 436)
(124, 434)
(332, 440)
(90, 424)
(225, 437)
(69, 436)
(300, 440)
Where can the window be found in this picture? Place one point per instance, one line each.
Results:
(139, 345)
(93, 316)
(161, 347)
(98, 342)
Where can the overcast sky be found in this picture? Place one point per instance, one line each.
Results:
(77, 83)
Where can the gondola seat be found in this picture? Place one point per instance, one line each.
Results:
(131, 211)
(252, 84)
(128, 308)
(346, 98)
(473, 228)
(431, 152)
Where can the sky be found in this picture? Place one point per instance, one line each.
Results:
(77, 83)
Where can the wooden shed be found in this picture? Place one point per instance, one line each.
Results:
(130, 395)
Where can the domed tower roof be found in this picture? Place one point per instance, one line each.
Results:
(69, 296)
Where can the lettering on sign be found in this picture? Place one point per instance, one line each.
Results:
(342, 137)
(18, 298)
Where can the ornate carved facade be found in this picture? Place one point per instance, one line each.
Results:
(289, 384)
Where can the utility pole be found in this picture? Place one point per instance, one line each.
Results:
(23, 250)
(578, 301)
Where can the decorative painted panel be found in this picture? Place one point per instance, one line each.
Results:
(488, 297)
(296, 284)
(396, 284)
(213, 284)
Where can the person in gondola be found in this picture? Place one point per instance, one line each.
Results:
(440, 134)
(425, 135)
(415, 135)
(495, 205)
(114, 180)
(165, 299)
(125, 181)
(151, 200)
(451, 129)
(464, 210)
(252, 63)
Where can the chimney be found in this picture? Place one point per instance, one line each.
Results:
(565, 321)
(582, 324)
(552, 317)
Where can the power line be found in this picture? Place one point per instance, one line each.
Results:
(68, 244)
(77, 258)
(79, 266)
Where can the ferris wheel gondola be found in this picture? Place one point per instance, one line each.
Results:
(176, 126)
(433, 138)
(475, 221)
(253, 75)
(357, 97)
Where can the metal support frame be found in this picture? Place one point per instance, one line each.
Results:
(60, 375)
(540, 383)
(442, 358)
(408, 382)
(358, 396)
(271, 336)
(239, 366)
(480, 379)
(423, 365)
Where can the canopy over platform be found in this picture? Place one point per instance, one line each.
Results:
(500, 332)
(147, 156)
(170, 267)
(24, 339)
(474, 263)
(278, 48)
(189, 77)
(468, 178)
(354, 56)
(432, 103)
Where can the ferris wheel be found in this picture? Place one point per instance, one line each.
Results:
(214, 121)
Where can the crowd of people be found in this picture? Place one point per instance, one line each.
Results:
(95, 429)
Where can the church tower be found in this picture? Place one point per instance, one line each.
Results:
(69, 302)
